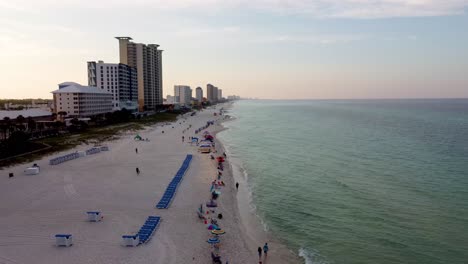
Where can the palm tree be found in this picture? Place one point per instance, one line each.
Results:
(31, 124)
(20, 121)
(75, 121)
(7, 126)
(40, 127)
(3, 129)
(62, 115)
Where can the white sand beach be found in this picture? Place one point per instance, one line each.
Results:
(35, 208)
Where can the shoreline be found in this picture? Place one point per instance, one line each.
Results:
(37, 207)
(252, 226)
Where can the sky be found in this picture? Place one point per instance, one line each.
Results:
(272, 49)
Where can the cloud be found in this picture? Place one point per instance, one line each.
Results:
(362, 9)
(321, 39)
(20, 38)
(201, 31)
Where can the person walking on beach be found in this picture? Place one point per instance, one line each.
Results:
(138, 171)
(183, 138)
(136, 150)
(265, 249)
(237, 186)
(259, 253)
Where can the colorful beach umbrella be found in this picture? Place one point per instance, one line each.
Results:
(213, 240)
(218, 232)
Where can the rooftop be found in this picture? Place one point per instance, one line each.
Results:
(25, 113)
(64, 84)
(78, 88)
(129, 38)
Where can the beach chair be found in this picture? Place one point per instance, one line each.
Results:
(172, 187)
(148, 228)
(94, 216)
(32, 171)
(131, 241)
(63, 240)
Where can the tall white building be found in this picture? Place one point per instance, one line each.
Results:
(199, 94)
(215, 94)
(183, 94)
(147, 59)
(118, 79)
(81, 101)
(220, 94)
(233, 97)
(212, 93)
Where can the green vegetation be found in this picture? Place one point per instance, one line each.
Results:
(79, 135)
(16, 144)
(18, 104)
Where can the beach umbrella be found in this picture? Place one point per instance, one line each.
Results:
(211, 204)
(212, 227)
(218, 232)
(213, 240)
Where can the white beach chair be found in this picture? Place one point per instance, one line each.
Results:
(63, 240)
(131, 241)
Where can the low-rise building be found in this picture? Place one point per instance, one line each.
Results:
(170, 100)
(81, 101)
(35, 113)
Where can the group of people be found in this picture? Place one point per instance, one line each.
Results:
(137, 169)
(217, 183)
(265, 252)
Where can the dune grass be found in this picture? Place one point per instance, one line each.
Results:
(92, 135)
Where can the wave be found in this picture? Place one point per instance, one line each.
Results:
(304, 254)
(310, 257)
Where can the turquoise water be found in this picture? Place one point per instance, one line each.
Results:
(358, 181)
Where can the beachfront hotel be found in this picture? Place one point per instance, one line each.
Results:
(212, 93)
(183, 94)
(199, 94)
(220, 94)
(147, 59)
(118, 79)
(81, 101)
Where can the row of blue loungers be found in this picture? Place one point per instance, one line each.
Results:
(147, 230)
(171, 189)
(145, 233)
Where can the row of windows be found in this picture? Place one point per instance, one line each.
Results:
(109, 67)
(111, 77)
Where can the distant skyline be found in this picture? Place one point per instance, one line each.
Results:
(270, 49)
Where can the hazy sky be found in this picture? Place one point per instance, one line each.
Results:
(293, 49)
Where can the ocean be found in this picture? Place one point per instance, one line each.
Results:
(358, 181)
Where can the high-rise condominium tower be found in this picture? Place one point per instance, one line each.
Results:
(147, 59)
(212, 93)
(183, 94)
(118, 79)
(199, 94)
